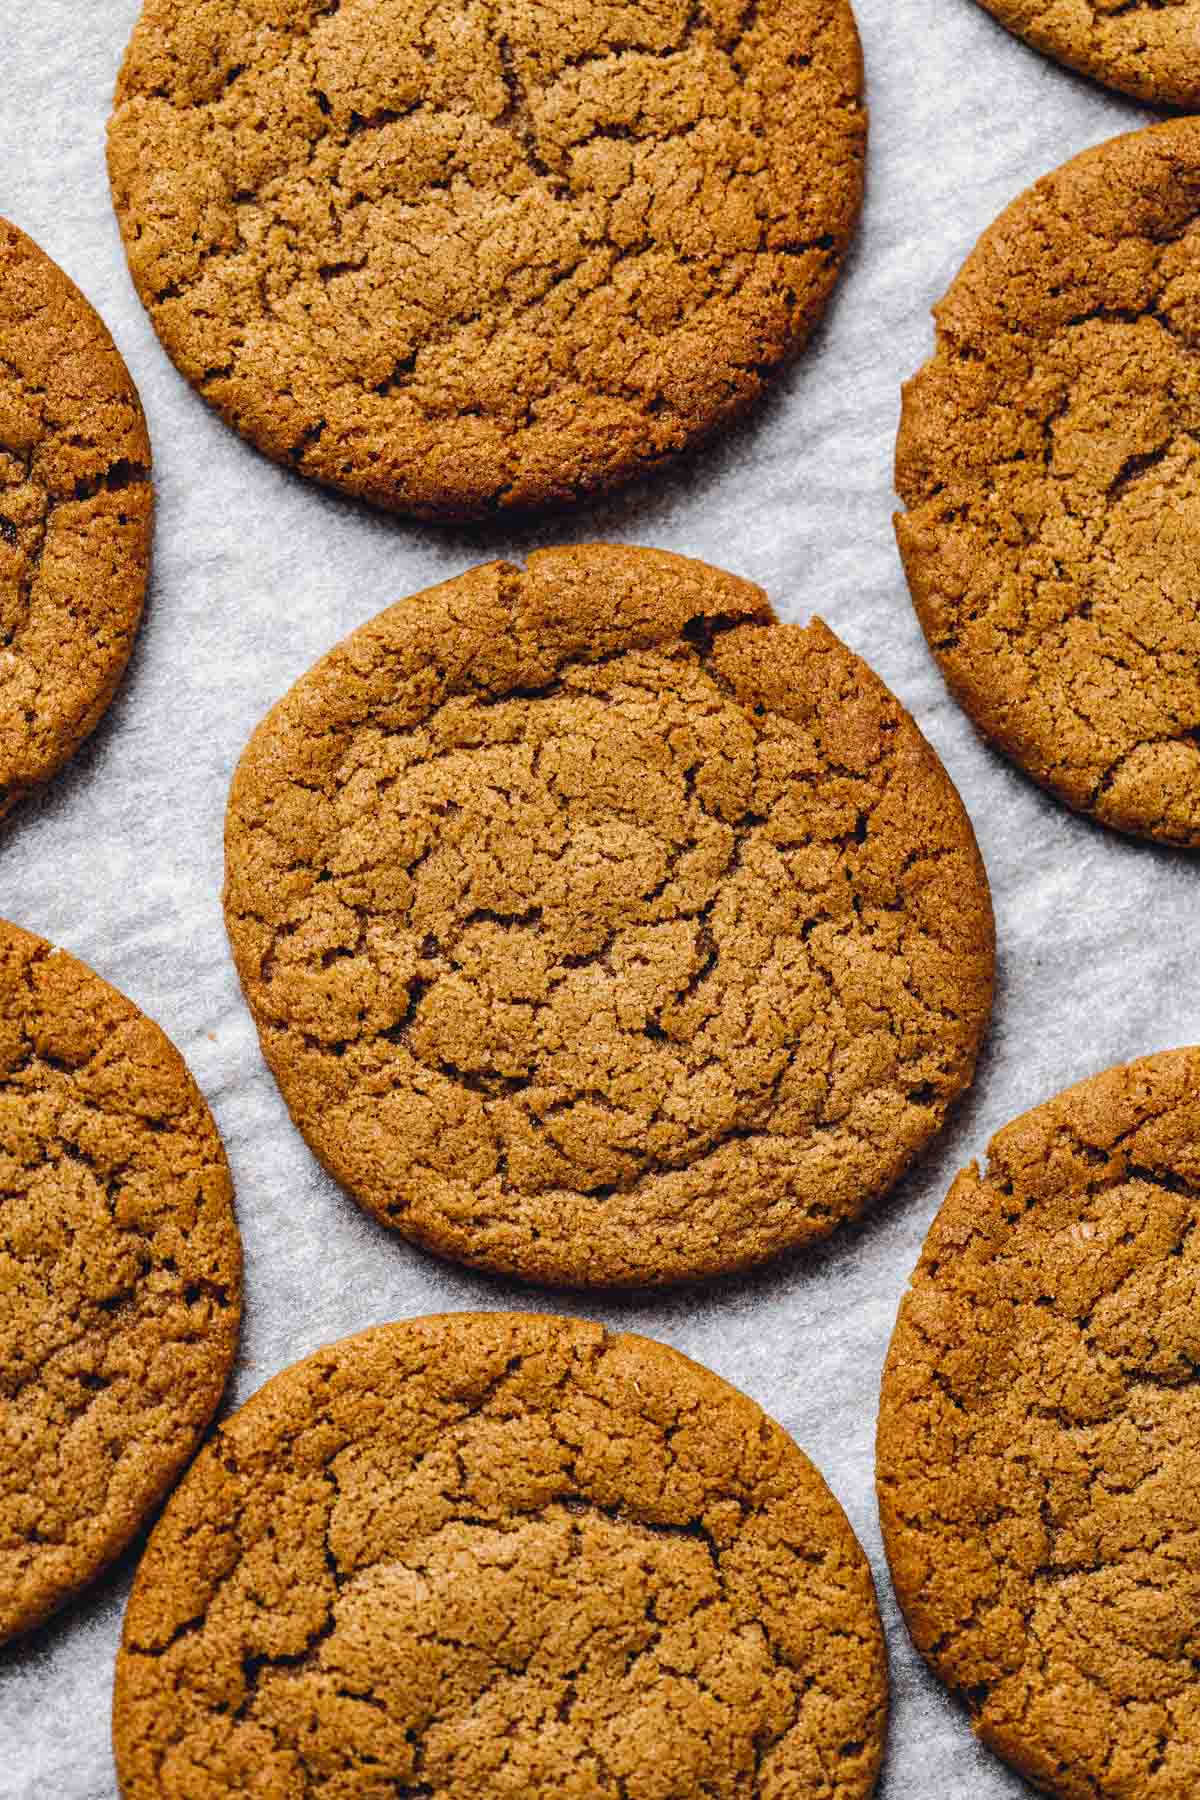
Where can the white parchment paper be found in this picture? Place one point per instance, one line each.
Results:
(257, 573)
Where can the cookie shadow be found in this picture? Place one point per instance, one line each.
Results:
(97, 1607)
(662, 498)
(833, 1262)
(1046, 70)
(634, 510)
(44, 803)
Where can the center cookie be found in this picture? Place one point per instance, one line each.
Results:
(485, 253)
(483, 1557)
(601, 929)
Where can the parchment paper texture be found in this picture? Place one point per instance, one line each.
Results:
(257, 573)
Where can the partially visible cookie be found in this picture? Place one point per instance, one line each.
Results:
(469, 255)
(1039, 1435)
(599, 928)
(120, 1274)
(500, 1555)
(75, 516)
(1049, 458)
(1147, 48)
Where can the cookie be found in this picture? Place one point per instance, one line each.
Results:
(75, 517)
(485, 254)
(1048, 457)
(1038, 1437)
(499, 1555)
(600, 929)
(1146, 48)
(120, 1274)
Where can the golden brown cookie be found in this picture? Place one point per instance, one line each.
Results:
(1039, 1435)
(1148, 48)
(600, 929)
(120, 1273)
(1049, 457)
(482, 254)
(500, 1555)
(75, 517)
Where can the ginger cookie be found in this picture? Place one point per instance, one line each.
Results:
(1039, 1433)
(1147, 48)
(75, 517)
(600, 929)
(498, 1555)
(1048, 456)
(120, 1274)
(485, 254)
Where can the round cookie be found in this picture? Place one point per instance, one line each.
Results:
(1038, 1438)
(1146, 48)
(600, 929)
(75, 517)
(120, 1274)
(492, 1555)
(1048, 459)
(489, 253)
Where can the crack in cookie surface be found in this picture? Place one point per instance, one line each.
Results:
(75, 512)
(598, 927)
(499, 1555)
(1038, 1435)
(1048, 459)
(459, 257)
(119, 1274)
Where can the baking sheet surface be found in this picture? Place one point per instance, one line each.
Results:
(257, 573)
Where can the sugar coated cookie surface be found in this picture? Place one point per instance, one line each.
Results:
(1049, 457)
(75, 516)
(485, 253)
(1039, 1435)
(601, 929)
(1148, 48)
(499, 1555)
(120, 1274)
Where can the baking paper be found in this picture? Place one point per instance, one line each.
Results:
(257, 573)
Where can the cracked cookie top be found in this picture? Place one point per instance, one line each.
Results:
(120, 1273)
(75, 517)
(1038, 1438)
(1049, 458)
(601, 929)
(493, 1555)
(1148, 48)
(478, 254)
